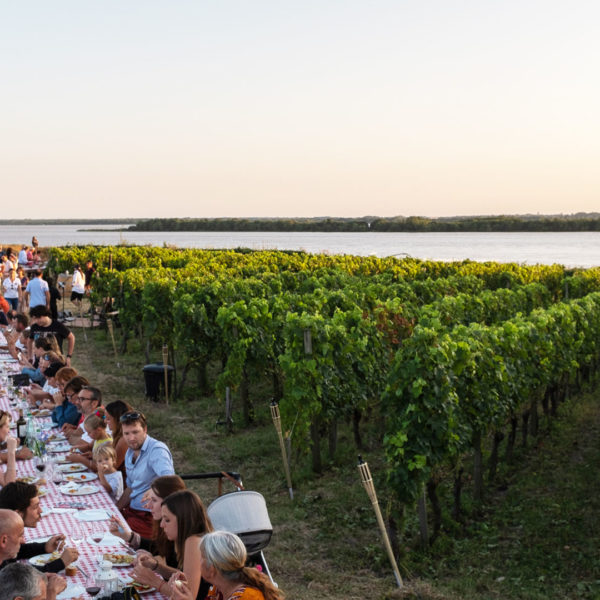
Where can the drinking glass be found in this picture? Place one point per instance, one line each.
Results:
(41, 462)
(77, 535)
(92, 586)
(97, 533)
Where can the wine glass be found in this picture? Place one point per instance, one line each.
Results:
(92, 586)
(41, 462)
(76, 535)
(57, 475)
(97, 533)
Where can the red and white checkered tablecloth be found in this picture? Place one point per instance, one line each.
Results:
(53, 523)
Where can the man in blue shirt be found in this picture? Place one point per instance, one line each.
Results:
(37, 291)
(145, 460)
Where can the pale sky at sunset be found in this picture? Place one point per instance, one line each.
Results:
(272, 108)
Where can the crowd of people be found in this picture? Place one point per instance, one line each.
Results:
(178, 553)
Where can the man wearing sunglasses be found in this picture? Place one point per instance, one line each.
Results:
(145, 460)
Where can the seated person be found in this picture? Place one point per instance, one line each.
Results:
(11, 448)
(185, 521)
(33, 369)
(19, 581)
(223, 560)
(24, 500)
(43, 397)
(65, 412)
(110, 478)
(158, 544)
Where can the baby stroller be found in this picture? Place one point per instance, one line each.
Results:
(243, 513)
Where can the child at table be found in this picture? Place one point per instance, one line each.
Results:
(95, 426)
(110, 478)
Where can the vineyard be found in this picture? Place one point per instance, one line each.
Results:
(455, 363)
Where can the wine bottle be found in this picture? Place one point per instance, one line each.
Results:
(21, 428)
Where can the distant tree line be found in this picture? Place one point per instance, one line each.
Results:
(410, 224)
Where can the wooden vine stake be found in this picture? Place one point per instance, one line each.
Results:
(367, 481)
(286, 464)
(109, 324)
(165, 357)
(81, 319)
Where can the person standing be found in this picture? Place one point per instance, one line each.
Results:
(37, 292)
(77, 285)
(89, 273)
(42, 325)
(12, 289)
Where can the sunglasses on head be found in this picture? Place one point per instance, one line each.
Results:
(131, 416)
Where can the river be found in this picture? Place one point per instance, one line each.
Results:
(573, 249)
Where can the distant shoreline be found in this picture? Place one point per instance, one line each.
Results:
(483, 224)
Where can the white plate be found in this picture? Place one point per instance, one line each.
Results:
(71, 467)
(92, 514)
(73, 590)
(79, 477)
(48, 426)
(43, 559)
(128, 563)
(58, 448)
(30, 479)
(80, 490)
(126, 580)
(58, 511)
(108, 539)
(57, 437)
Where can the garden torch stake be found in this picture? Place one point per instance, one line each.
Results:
(286, 465)
(165, 357)
(367, 481)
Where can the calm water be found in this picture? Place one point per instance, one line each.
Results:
(570, 249)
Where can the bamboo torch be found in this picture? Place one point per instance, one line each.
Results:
(286, 465)
(367, 481)
(165, 357)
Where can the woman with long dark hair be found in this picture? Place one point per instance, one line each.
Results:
(184, 521)
(158, 546)
(114, 411)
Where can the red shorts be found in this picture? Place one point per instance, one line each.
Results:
(140, 521)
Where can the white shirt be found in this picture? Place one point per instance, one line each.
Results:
(11, 288)
(78, 284)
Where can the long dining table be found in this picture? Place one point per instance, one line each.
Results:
(75, 509)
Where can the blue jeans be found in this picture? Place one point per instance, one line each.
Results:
(35, 375)
(14, 303)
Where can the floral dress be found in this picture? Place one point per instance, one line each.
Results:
(242, 593)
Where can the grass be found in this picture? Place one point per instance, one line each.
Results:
(536, 536)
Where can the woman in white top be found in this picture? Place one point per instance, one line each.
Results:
(77, 285)
(9, 264)
(12, 289)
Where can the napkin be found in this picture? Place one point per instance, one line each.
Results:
(73, 590)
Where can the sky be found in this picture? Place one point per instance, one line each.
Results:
(219, 108)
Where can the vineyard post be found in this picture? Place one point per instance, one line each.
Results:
(165, 357)
(286, 465)
(422, 512)
(315, 425)
(81, 319)
(109, 324)
(367, 481)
